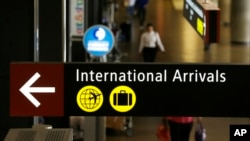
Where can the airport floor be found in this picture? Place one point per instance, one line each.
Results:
(183, 45)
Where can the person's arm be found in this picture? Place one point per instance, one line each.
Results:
(141, 43)
(159, 43)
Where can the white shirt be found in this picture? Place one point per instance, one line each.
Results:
(131, 2)
(150, 40)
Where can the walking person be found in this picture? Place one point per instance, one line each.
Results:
(149, 43)
(130, 8)
(180, 127)
(141, 6)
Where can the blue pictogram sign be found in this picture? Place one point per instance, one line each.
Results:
(98, 40)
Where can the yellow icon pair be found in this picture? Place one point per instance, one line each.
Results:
(90, 98)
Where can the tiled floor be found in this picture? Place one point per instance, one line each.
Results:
(183, 45)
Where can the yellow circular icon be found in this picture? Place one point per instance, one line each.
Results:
(89, 98)
(122, 98)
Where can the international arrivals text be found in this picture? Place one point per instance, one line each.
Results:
(152, 77)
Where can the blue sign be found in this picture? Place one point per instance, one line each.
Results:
(98, 40)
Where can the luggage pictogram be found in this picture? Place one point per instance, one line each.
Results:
(122, 98)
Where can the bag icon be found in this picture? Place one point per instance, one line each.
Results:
(122, 98)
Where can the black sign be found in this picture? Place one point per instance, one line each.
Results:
(204, 18)
(145, 89)
(163, 89)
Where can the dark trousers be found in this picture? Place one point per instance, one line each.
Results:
(149, 54)
(142, 15)
(179, 131)
(130, 11)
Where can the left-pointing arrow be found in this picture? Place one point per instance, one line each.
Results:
(26, 89)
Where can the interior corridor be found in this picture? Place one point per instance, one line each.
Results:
(183, 45)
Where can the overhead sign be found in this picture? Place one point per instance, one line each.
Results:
(98, 40)
(204, 17)
(113, 89)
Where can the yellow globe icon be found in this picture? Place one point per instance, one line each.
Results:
(89, 98)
